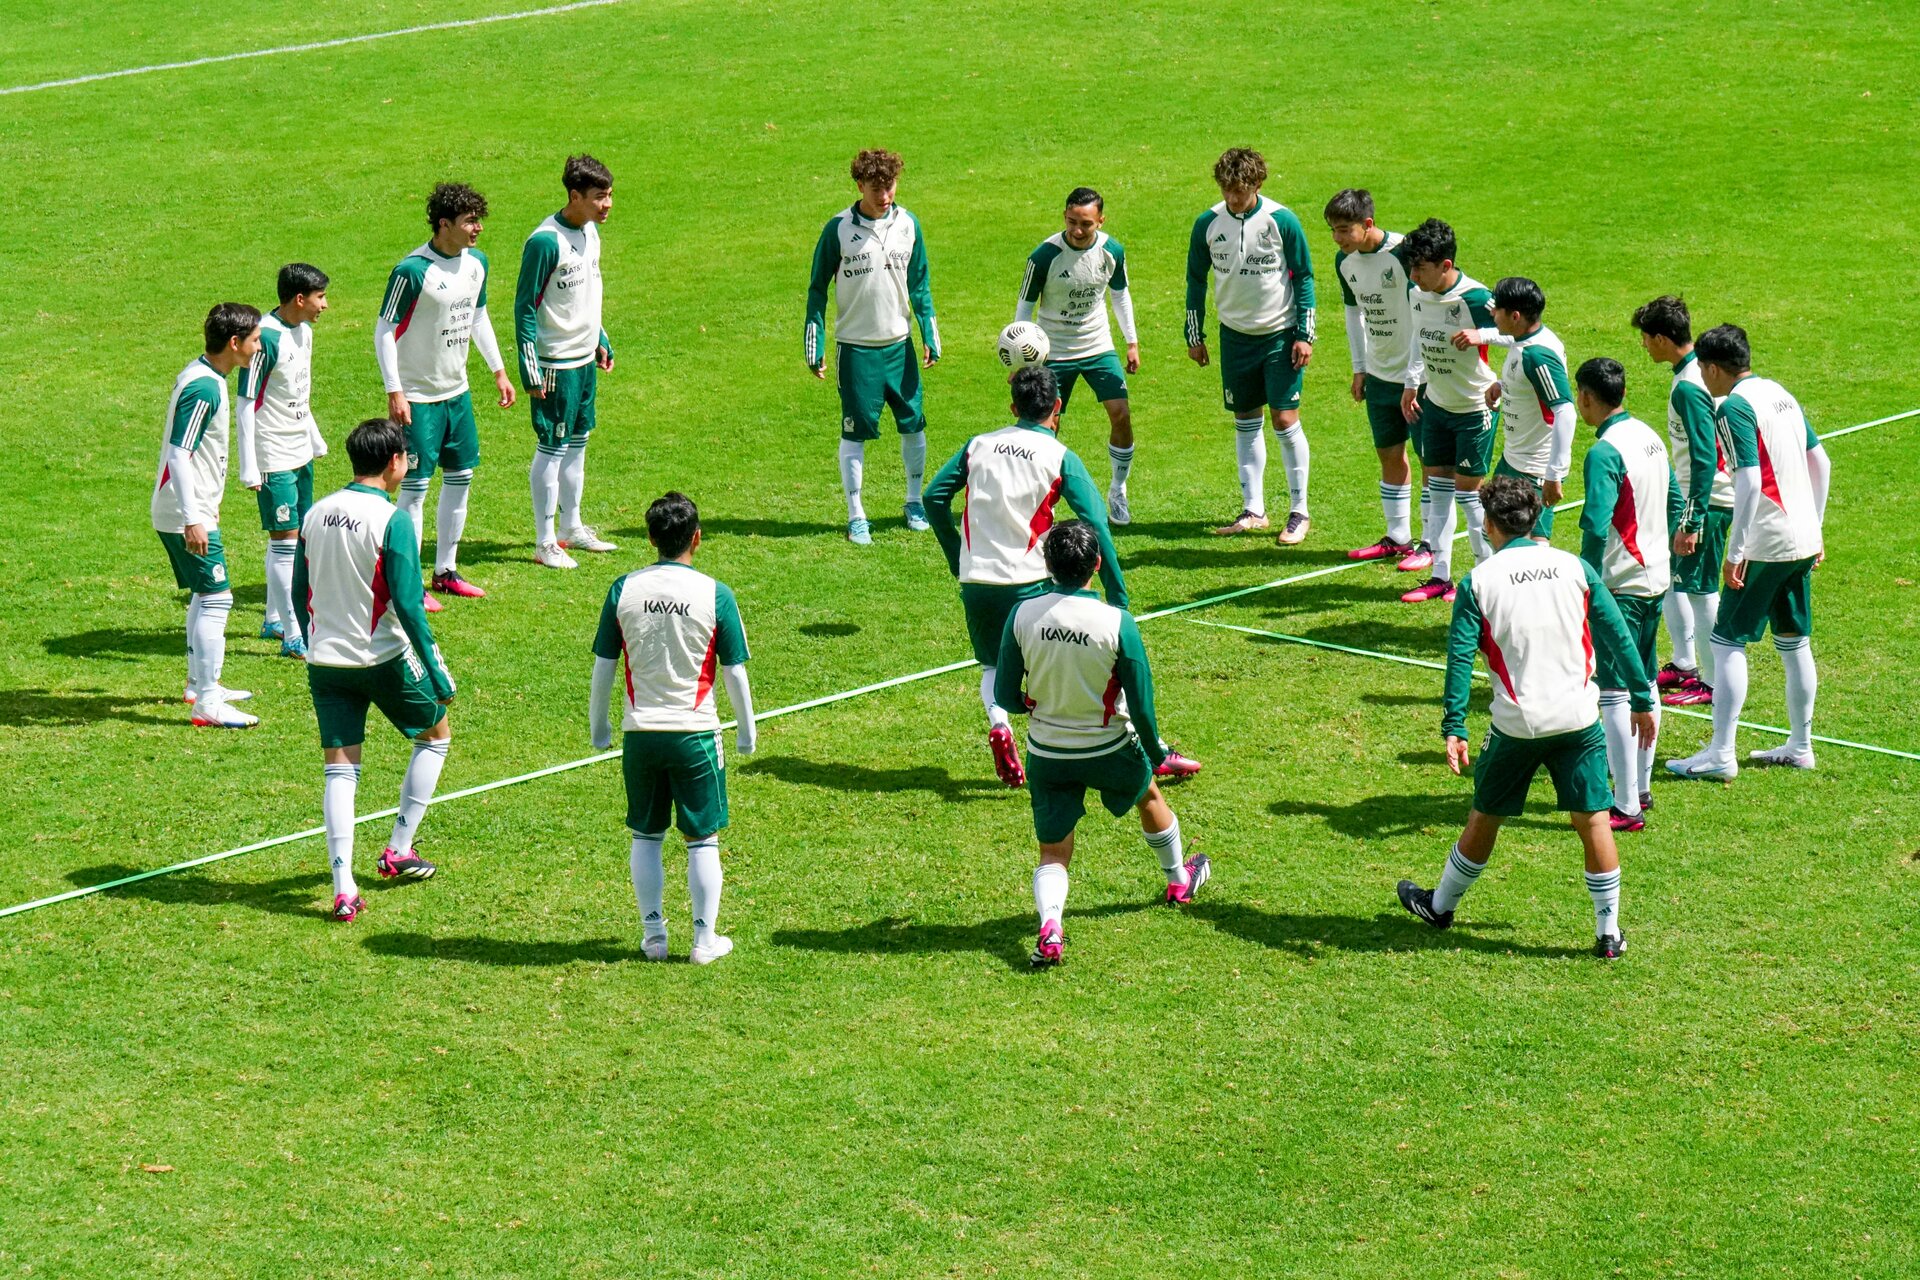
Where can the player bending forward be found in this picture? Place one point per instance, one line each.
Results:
(675, 627)
(185, 506)
(1064, 660)
(1534, 610)
(1780, 476)
(357, 578)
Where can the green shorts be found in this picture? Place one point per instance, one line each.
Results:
(1699, 573)
(873, 378)
(442, 434)
(1462, 442)
(1543, 527)
(398, 686)
(1058, 787)
(987, 608)
(1642, 616)
(203, 575)
(1389, 425)
(667, 771)
(1777, 594)
(1577, 763)
(285, 498)
(1106, 376)
(1257, 371)
(565, 412)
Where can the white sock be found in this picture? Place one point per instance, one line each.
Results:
(452, 521)
(280, 557)
(1250, 448)
(413, 500)
(649, 884)
(1439, 534)
(1296, 456)
(1803, 682)
(210, 638)
(573, 483)
(1121, 456)
(1729, 694)
(1050, 892)
(853, 466)
(1605, 888)
(1623, 753)
(543, 477)
(1646, 753)
(913, 457)
(193, 654)
(703, 885)
(1677, 608)
(997, 717)
(1166, 846)
(416, 789)
(1468, 500)
(1396, 503)
(1456, 877)
(1706, 614)
(336, 812)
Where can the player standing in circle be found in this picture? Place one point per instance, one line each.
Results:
(1066, 661)
(1256, 253)
(1374, 285)
(873, 256)
(185, 507)
(1070, 280)
(1780, 478)
(1538, 613)
(676, 628)
(562, 347)
(357, 578)
(434, 308)
(1534, 396)
(279, 438)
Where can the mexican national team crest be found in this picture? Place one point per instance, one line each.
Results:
(1386, 277)
(282, 513)
(1453, 312)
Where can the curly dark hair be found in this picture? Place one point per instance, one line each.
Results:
(1511, 503)
(1666, 317)
(876, 165)
(451, 201)
(1432, 241)
(1240, 167)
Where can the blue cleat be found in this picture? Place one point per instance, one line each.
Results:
(272, 630)
(859, 533)
(917, 517)
(294, 648)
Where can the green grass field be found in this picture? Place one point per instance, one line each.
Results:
(479, 1078)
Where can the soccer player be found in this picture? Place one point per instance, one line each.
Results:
(1373, 287)
(1538, 613)
(435, 307)
(187, 488)
(1706, 510)
(1256, 252)
(1780, 478)
(562, 346)
(874, 257)
(1445, 398)
(1067, 279)
(674, 626)
(1630, 496)
(357, 581)
(279, 438)
(1534, 397)
(1064, 660)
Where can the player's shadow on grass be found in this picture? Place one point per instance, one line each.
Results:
(118, 645)
(829, 630)
(1007, 938)
(1221, 552)
(297, 895)
(839, 776)
(1309, 935)
(473, 551)
(1379, 817)
(47, 709)
(514, 953)
(715, 528)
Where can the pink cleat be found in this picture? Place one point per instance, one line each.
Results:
(347, 906)
(1672, 677)
(409, 864)
(1626, 821)
(1006, 757)
(1694, 693)
(1385, 549)
(428, 603)
(1199, 870)
(1416, 559)
(1176, 766)
(1431, 589)
(448, 582)
(1047, 952)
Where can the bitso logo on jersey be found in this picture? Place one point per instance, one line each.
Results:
(1023, 343)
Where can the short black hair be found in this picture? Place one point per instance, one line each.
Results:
(372, 445)
(297, 278)
(1354, 204)
(1517, 293)
(1071, 551)
(1604, 379)
(451, 201)
(1431, 241)
(227, 321)
(1666, 317)
(584, 173)
(672, 521)
(1725, 345)
(1511, 503)
(1035, 392)
(1085, 195)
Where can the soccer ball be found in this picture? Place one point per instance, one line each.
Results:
(1023, 343)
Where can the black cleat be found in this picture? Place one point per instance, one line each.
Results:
(1610, 948)
(1419, 902)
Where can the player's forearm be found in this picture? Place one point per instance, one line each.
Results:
(526, 330)
(1356, 339)
(1121, 300)
(1010, 675)
(1136, 683)
(386, 354)
(243, 431)
(485, 340)
(1022, 310)
(301, 620)
(180, 481)
(1611, 636)
(405, 591)
(1197, 306)
(740, 694)
(1820, 474)
(1463, 643)
(1560, 464)
(1746, 500)
(600, 703)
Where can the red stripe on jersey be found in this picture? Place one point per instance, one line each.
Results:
(1546, 411)
(1043, 518)
(626, 668)
(381, 596)
(166, 474)
(400, 329)
(1626, 521)
(708, 665)
(1496, 660)
(966, 523)
(1483, 352)
(1769, 483)
(1110, 700)
(1586, 629)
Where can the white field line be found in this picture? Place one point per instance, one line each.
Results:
(306, 48)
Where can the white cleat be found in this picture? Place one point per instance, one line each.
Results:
(1705, 765)
(218, 715)
(1783, 755)
(654, 948)
(554, 556)
(582, 538)
(220, 691)
(708, 952)
(1117, 510)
